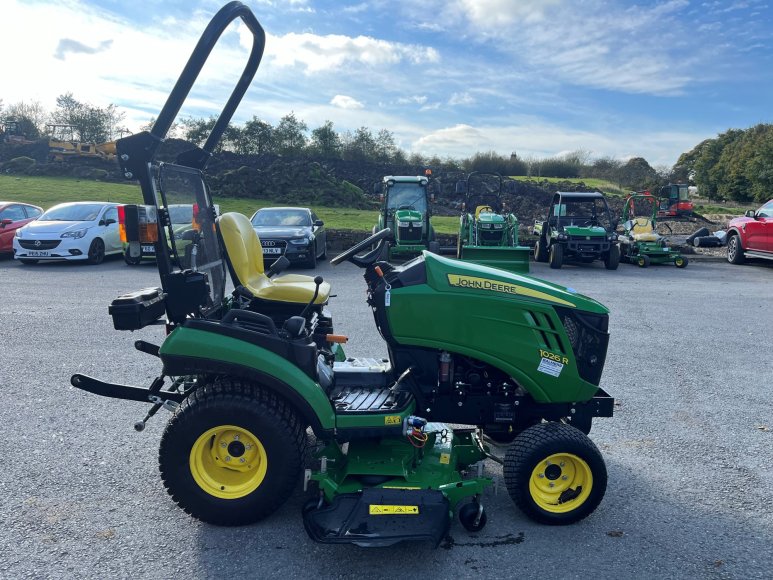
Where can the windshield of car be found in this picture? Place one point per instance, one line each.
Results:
(86, 212)
(407, 196)
(281, 217)
(181, 214)
(766, 210)
(582, 212)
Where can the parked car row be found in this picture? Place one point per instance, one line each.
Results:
(89, 231)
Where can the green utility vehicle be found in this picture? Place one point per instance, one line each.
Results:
(579, 228)
(641, 244)
(405, 210)
(488, 235)
(247, 374)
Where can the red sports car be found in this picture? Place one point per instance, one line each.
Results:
(751, 236)
(13, 216)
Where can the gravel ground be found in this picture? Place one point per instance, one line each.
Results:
(688, 450)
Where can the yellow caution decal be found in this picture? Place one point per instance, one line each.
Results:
(392, 420)
(388, 510)
(445, 458)
(503, 288)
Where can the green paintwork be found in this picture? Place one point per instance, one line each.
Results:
(205, 346)
(492, 324)
(476, 243)
(436, 466)
(592, 231)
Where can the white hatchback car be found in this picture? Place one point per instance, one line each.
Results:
(83, 230)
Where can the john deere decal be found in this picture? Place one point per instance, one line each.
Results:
(502, 287)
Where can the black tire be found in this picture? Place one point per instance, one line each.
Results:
(468, 513)
(697, 234)
(541, 250)
(643, 261)
(274, 440)
(612, 258)
(324, 251)
(129, 260)
(696, 242)
(735, 254)
(681, 262)
(28, 261)
(556, 258)
(96, 253)
(434, 247)
(557, 493)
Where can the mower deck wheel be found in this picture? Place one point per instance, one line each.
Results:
(469, 518)
(643, 261)
(681, 262)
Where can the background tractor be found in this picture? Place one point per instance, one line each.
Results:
(405, 210)
(641, 244)
(488, 235)
(578, 228)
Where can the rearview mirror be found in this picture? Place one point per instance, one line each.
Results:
(6, 222)
(319, 223)
(109, 221)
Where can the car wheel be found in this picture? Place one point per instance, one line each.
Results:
(612, 259)
(555, 474)
(130, 260)
(735, 253)
(28, 261)
(324, 251)
(556, 258)
(232, 453)
(311, 262)
(96, 251)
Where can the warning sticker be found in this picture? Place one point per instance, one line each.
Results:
(550, 367)
(383, 510)
(445, 458)
(392, 420)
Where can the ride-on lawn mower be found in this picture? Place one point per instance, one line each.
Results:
(641, 244)
(246, 375)
(487, 235)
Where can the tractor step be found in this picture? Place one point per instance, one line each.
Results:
(379, 517)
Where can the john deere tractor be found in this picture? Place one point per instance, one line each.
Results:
(488, 235)
(579, 228)
(405, 210)
(247, 374)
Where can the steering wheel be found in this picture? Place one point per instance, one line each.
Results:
(368, 258)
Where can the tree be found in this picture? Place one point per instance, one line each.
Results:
(325, 142)
(385, 147)
(257, 137)
(360, 146)
(290, 135)
(29, 116)
(638, 174)
(90, 123)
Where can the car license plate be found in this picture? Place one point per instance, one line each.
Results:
(148, 249)
(272, 250)
(39, 253)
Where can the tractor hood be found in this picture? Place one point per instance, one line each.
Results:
(408, 215)
(446, 275)
(593, 231)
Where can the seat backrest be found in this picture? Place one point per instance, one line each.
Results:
(641, 226)
(481, 209)
(242, 247)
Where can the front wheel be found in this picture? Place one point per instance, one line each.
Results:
(735, 253)
(540, 250)
(556, 258)
(555, 474)
(311, 261)
(232, 454)
(643, 261)
(681, 262)
(96, 253)
(612, 258)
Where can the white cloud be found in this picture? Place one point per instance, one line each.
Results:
(346, 102)
(413, 100)
(461, 99)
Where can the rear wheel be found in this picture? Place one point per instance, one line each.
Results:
(540, 250)
(643, 261)
(96, 251)
(612, 258)
(232, 454)
(556, 258)
(681, 262)
(735, 253)
(555, 474)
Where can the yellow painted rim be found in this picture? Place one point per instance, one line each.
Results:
(557, 474)
(228, 462)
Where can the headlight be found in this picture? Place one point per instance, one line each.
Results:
(403, 224)
(498, 226)
(77, 234)
(485, 226)
(18, 232)
(300, 241)
(562, 236)
(612, 237)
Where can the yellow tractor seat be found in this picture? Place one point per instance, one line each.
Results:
(244, 256)
(641, 230)
(482, 208)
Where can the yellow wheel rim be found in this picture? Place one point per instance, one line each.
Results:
(561, 483)
(228, 462)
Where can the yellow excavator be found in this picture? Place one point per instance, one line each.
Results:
(61, 148)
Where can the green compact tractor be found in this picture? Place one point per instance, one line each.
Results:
(487, 235)
(579, 228)
(249, 374)
(405, 210)
(641, 244)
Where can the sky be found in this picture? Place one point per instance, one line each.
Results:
(447, 77)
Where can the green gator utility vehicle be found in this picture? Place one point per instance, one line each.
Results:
(579, 228)
(247, 374)
(487, 235)
(405, 210)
